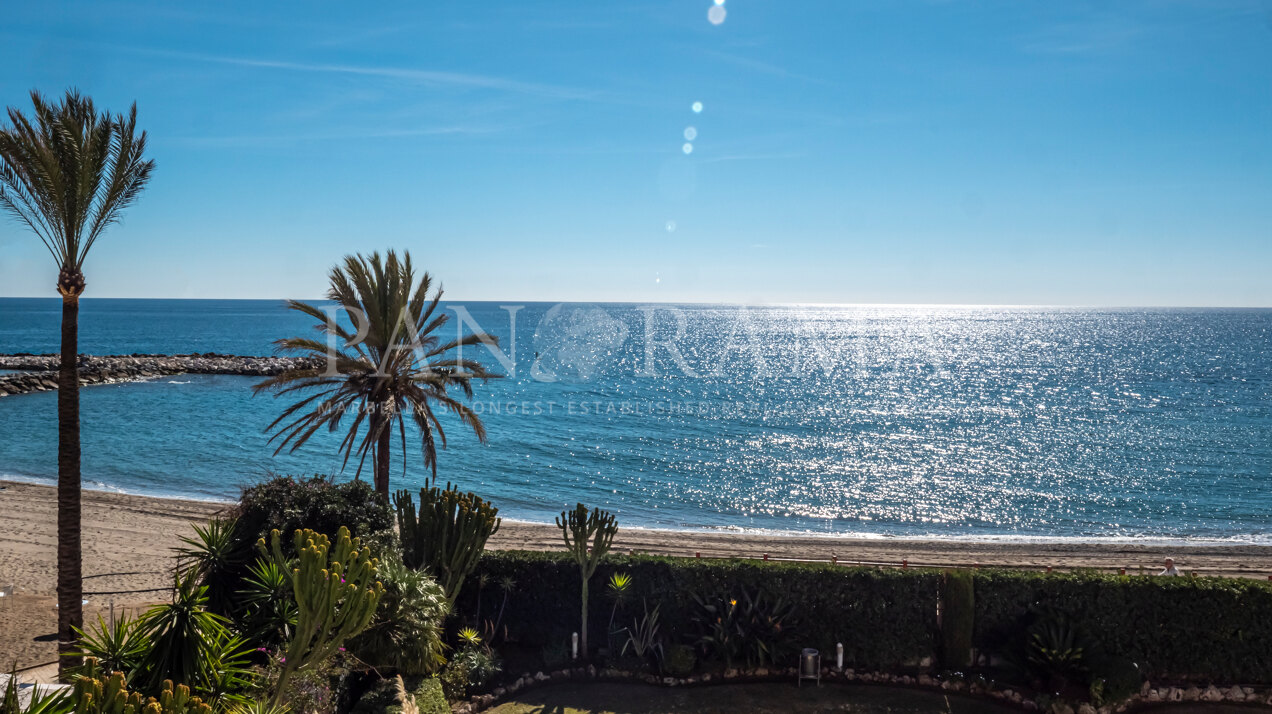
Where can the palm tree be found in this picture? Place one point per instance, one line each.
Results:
(395, 365)
(67, 173)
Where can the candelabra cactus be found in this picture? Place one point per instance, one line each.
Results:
(93, 695)
(336, 595)
(447, 536)
(588, 537)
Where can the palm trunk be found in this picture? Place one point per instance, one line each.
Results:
(382, 461)
(70, 585)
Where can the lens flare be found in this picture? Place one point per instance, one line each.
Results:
(697, 107)
(687, 148)
(671, 226)
(690, 133)
(716, 14)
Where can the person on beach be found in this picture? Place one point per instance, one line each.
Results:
(1170, 568)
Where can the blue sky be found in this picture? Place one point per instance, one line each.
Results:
(898, 152)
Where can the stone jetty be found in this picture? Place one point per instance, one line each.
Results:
(39, 372)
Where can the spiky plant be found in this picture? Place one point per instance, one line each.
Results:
(67, 172)
(393, 363)
(588, 536)
(336, 595)
(447, 536)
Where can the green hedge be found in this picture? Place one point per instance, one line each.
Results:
(883, 617)
(1180, 628)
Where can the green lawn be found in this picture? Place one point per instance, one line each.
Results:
(735, 698)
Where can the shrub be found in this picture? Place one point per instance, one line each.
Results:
(405, 635)
(472, 667)
(884, 617)
(320, 504)
(957, 619)
(1174, 628)
(1196, 629)
(679, 660)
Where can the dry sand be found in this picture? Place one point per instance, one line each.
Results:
(128, 543)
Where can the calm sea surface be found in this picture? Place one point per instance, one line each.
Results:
(958, 422)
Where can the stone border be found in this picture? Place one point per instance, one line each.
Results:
(1148, 694)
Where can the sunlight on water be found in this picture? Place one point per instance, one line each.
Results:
(986, 422)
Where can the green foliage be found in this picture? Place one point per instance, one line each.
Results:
(1054, 651)
(321, 504)
(679, 660)
(883, 617)
(958, 614)
(1113, 680)
(397, 367)
(117, 647)
(754, 627)
(217, 554)
(41, 702)
(383, 697)
(336, 595)
(446, 538)
(189, 645)
(588, 537)
(93, 694)
(1173, 628)
(268, 609)
(471, 668)
(405, 635)
(642, 636)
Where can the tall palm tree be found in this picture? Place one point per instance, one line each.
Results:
(67, 172)
(392, 365)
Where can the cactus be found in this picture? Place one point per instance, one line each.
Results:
(92, 694)
(336, 595)
(448, 536)
(588, 537)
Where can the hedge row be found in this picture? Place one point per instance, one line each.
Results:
(883, 617)
(1207, 629)
(1203, 629)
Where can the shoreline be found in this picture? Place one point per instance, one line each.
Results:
(1164, 543)
(128, 558)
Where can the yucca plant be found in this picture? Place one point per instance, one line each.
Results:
(217, 555)
(67, 172)
(117, 646)
(269, 609)
(190, 645)
(401, 366)
(619, 587)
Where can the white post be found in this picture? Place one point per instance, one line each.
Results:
(839, 655)
(576, 646)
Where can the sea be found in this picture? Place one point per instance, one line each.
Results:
(961, 422)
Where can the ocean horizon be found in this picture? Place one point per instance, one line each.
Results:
(1148, 425)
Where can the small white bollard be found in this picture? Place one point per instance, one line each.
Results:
(839, 656)
(576, 646)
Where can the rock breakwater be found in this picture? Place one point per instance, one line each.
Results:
(38, 373)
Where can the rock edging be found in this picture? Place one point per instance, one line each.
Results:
(1148, 694)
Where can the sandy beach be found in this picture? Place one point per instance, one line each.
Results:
(128, 543)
